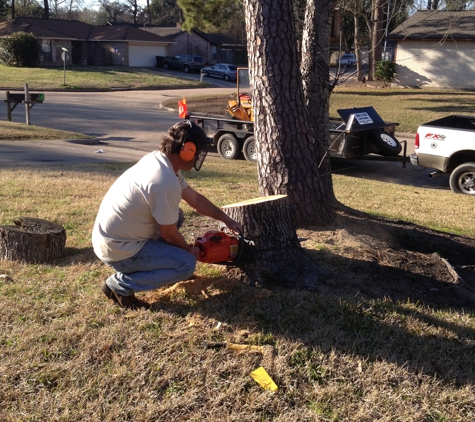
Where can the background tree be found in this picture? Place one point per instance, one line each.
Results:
(165, 12)
(46, 9)
(66, 9)
(133, 9)
(4, 9)
(210, 15)
(28, 9)
(113, 12)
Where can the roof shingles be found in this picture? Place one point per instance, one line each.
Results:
(437, 25)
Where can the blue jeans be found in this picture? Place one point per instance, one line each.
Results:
(156, 265)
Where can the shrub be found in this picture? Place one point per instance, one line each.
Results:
(385, 71)
(20, 49)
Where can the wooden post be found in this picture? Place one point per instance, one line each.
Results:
(27, 104)
(9, 110)
(32, 240)
(277, 257)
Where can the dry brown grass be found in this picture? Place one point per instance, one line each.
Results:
(68, 355)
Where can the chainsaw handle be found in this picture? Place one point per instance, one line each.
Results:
(224, 228)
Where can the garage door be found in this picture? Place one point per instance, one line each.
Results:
(144, 55)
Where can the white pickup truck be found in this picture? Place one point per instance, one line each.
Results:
(448, 145)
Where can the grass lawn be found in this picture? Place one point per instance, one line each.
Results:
(90, 77)
(19, 131)
(68, 355)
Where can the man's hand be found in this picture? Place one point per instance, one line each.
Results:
(195, 251)
(233, 225)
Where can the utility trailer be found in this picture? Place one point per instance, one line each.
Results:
(359, 133)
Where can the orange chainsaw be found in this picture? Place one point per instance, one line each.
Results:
(218, 247)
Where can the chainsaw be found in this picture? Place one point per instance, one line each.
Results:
(219, 247)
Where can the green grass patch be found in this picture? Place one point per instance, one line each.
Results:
(90, 78)
(21, 132)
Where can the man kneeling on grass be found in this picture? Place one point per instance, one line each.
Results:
(137, 227)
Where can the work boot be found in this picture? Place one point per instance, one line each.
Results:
(129, 302)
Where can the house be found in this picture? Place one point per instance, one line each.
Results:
(89, 44)
(434, 48)
(213, 48)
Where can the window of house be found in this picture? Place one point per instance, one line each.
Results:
(46, 50)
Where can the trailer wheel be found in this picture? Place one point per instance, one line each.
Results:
(228, 147)
(462, 179)
(386, 143)
(249, 149)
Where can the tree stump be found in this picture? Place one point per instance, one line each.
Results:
(276, 255)
(32, 240)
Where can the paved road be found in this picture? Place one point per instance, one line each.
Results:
(118, 120)
(128, 124)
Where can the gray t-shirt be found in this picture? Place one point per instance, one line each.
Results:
(147, 194)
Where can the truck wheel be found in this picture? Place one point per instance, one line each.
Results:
(462, 179)
(386, 143)
(249, 149)
(166, 65)
(186, 69)
(228, 147)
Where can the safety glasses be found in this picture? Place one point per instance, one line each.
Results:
(200, 158)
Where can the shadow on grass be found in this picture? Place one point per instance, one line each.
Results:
(405, 315)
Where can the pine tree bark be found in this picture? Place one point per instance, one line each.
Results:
(288, 157)
(32, 240)
(316, 84)
(274, 255)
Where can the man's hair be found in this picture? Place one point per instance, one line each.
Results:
(186, 131)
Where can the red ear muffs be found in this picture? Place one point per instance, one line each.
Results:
(188, 151)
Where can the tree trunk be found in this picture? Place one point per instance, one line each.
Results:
(46, 13)
(359, 74)
(370, 45)
(316, 84)
(149, 13)
(32, 240)
(287, 154)
(275, 255)
(378, 33)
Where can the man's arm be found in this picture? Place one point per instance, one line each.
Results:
(204, 206)
(172, 236)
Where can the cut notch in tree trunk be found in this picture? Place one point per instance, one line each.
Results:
(277, 257)
(32, 240)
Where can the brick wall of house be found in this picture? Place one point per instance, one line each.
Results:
(190, 43)
(53, 57)
(435, 65)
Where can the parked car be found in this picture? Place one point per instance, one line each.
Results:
(185, 62)
(347, 60)
(221, 70)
